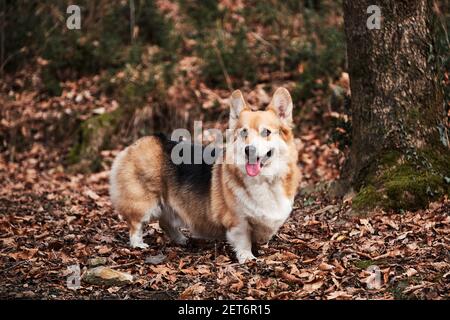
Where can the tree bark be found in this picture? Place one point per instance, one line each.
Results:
(399, 156)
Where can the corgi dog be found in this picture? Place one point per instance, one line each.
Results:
(244, 199)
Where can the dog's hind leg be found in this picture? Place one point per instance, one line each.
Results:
(138, 214)
(171, 223)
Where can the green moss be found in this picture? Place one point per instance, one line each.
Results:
(93, 136)
(409, 188)
(367, 198)
(405, 182)
(439, 159)
(364, 264)
(390, 158)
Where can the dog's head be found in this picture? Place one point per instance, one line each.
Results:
(262, 140)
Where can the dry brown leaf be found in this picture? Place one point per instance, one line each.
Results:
(290, 277)
(23, 255)
(339, 295)
(410, 272)
(104, 250)
(237, 286)
(392, 253)
(192, 291)
(311, 287)
(325, 267)
(366, 223)
(91, 194)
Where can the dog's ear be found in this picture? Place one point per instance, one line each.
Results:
(282, 105)
(237, 105)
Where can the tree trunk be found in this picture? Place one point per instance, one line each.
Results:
(400, 156)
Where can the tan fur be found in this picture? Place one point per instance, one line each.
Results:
(139, 180)
(143, 184)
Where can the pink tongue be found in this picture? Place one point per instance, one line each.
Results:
(253, 169)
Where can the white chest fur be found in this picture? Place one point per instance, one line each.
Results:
(264, 205)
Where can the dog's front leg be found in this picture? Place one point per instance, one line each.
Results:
(240, 238)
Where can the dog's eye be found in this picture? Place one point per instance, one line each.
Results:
(265, 132)
(244, 133)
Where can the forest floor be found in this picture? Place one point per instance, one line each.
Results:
(52, 220)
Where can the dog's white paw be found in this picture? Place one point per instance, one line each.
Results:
(140, 245)
(244, 257)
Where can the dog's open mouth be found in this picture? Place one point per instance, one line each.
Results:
(253, 169)
(254, 166)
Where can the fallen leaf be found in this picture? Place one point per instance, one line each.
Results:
(311, 287)
(91, 194)
(193, 290)
(23, 255)
(158, 259)
(366, 223)
(104, 250)
(410, 272)
(339, 294)
(325, 267)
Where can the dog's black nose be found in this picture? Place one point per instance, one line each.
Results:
(250, 150)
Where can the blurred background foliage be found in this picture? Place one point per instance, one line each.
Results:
(161, 64)
(241, 40)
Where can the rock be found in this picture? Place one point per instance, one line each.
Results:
(107, 276)
(99, 261)
(25, 294)
(155, 259)
(330, 208)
